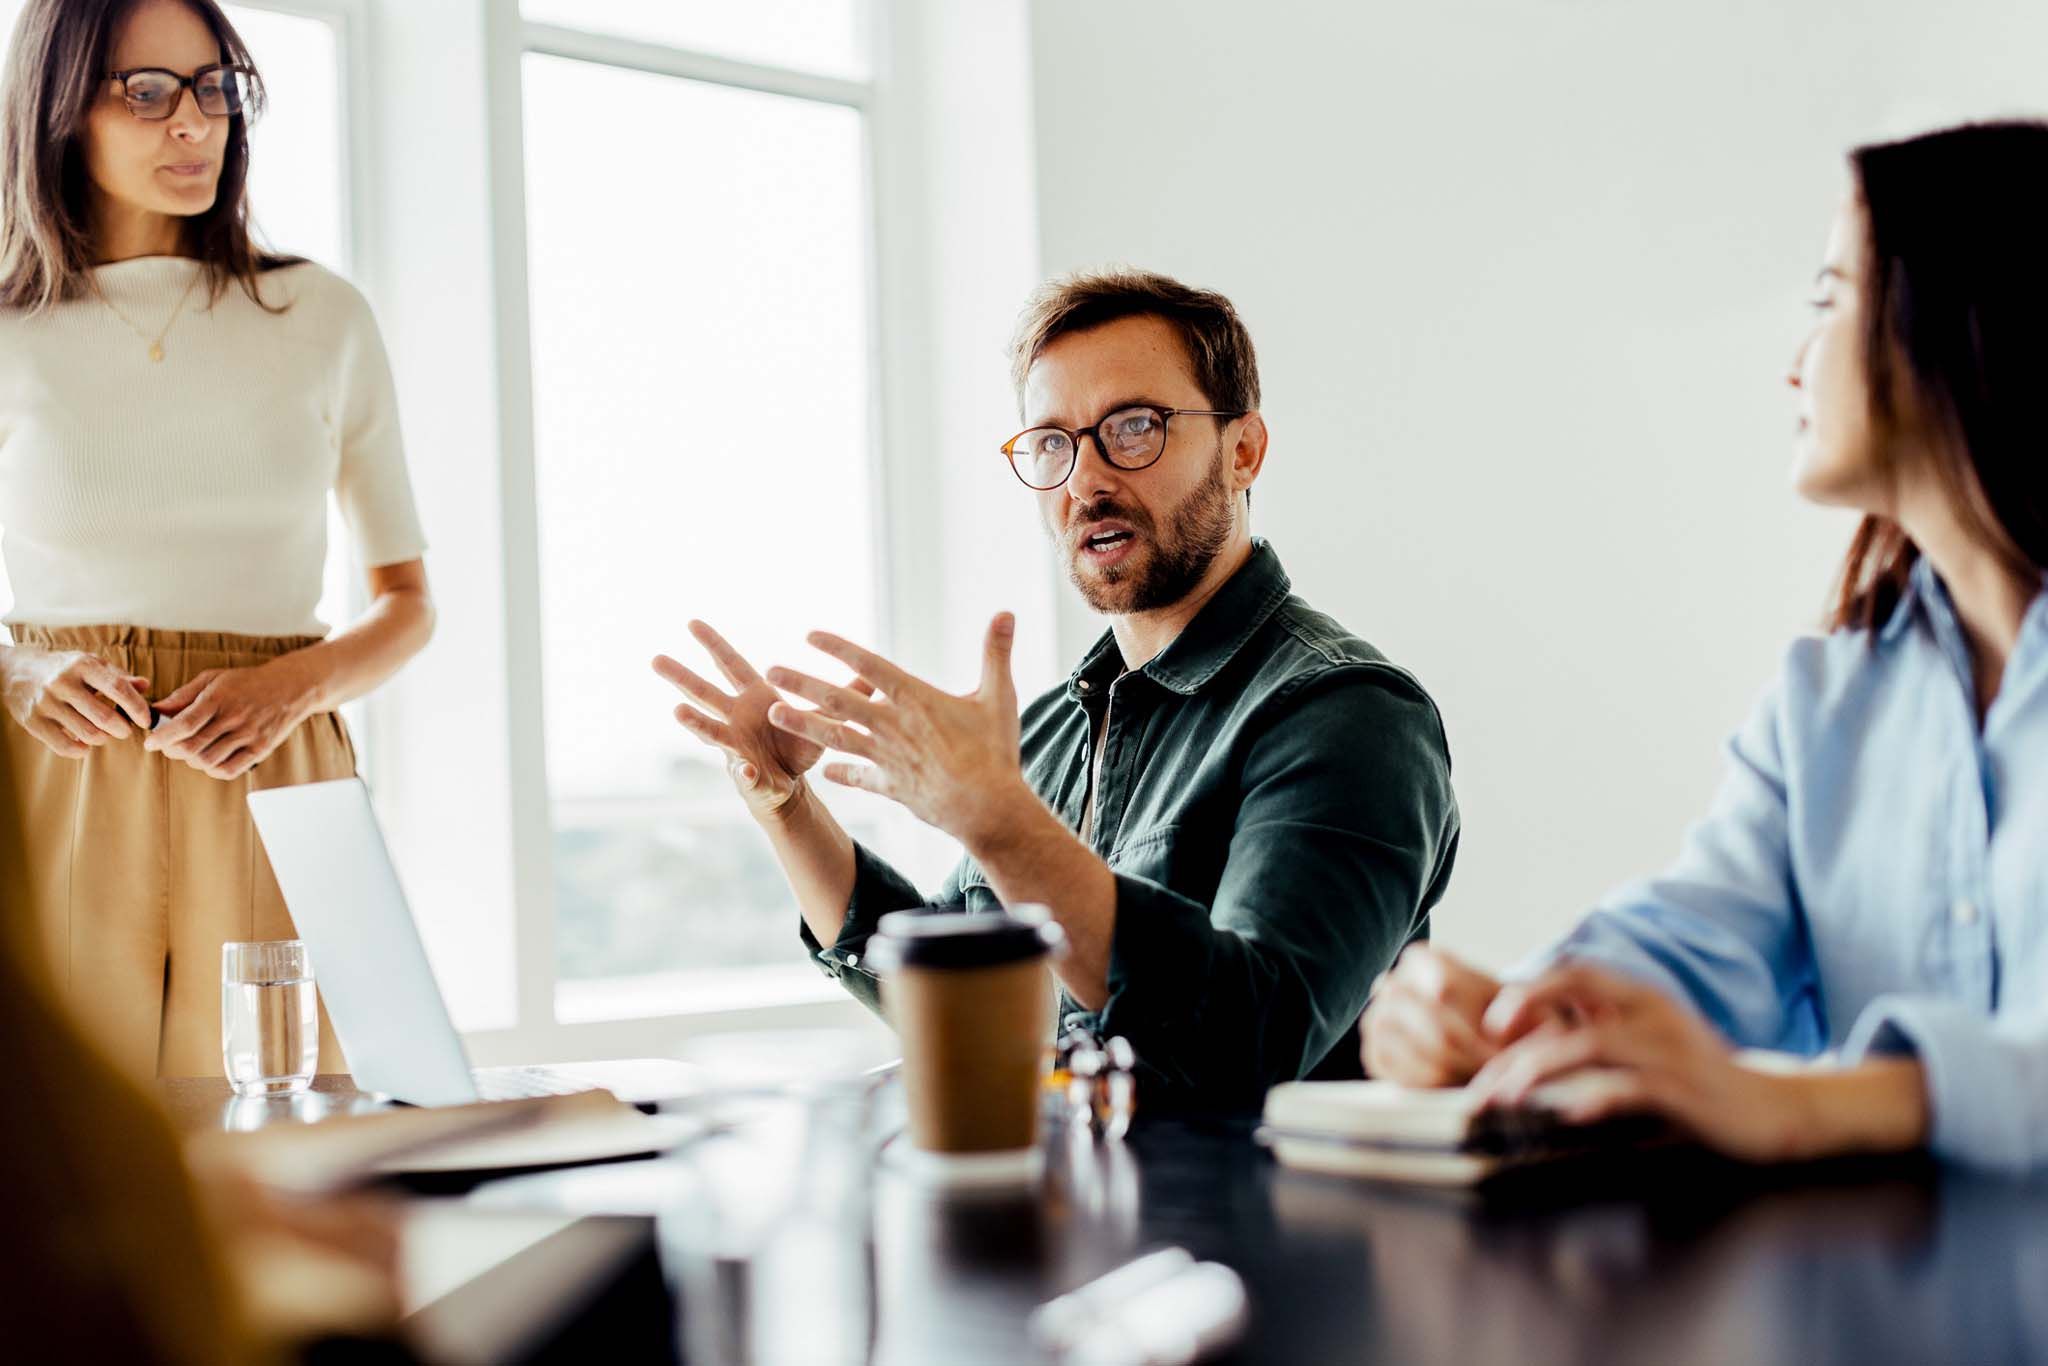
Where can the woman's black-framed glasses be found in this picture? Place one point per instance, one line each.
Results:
(1129, 438)
(222, 90)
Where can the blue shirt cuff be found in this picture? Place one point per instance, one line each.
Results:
(1986, 1088)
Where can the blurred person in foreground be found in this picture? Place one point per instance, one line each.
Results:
(1237, 810)
(1871, 883)
(113, 1249)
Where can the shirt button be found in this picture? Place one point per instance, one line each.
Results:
(1084, 685)
(853, 960)
(1964, 913)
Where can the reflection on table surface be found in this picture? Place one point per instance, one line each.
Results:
(210, 1103)
(1671, 1258)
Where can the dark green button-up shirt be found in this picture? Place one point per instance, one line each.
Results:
(1276, 805)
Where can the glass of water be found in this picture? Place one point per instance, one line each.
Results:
(269, 1022)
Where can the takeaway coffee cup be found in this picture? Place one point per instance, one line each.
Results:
(972, 1003)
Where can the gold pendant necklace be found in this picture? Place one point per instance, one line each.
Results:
(156, 343)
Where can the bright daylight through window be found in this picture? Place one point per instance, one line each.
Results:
(703, 400)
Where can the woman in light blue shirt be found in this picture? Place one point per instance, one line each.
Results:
(1873, 876)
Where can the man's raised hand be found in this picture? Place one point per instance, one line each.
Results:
(767, 763)
(951, 759)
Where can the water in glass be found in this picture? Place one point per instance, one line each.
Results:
(270, 1033)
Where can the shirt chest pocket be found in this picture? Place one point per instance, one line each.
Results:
(1179, 857)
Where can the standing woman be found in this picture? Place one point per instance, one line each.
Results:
(175, 406)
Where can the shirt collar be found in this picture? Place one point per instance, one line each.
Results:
(1207, 643)
(1921, 583)
(1925, 591)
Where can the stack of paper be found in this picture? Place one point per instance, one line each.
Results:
(1433, 1137)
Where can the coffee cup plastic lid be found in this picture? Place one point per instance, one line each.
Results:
(956, 939)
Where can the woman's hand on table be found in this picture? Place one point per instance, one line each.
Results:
(72, 702)
(1661, 1057)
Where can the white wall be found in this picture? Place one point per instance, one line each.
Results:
(1525, 278)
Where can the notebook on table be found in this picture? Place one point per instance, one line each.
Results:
(486, 1137)
(1384, 1131)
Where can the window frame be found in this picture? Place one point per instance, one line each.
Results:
(349, 21)
(794, 997)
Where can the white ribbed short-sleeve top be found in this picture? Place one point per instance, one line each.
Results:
(191, 493)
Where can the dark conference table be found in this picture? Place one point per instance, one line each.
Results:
(1669, 1257)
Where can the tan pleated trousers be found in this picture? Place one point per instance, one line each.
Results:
(140, 867)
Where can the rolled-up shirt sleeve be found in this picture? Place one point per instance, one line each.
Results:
(877, 890)
(1986, 1078)
(1345, 835)
(1722, 928)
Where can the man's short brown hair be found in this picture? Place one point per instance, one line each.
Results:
(1218, 346)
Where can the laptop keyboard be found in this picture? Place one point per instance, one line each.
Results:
(524, 1083)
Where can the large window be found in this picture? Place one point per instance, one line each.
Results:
(703, 401)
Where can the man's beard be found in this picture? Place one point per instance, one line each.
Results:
(1196, 532)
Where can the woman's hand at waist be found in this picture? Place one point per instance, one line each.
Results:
(71, 701)
(224, 722)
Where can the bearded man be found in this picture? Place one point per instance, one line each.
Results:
(1237, 811)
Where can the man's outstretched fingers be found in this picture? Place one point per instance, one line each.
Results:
(841, 704)
(730, 662)
(711, 732)
(819, 731)
(866, 777)
(866, 663)
(700, 690)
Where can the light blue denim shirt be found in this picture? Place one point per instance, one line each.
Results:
(1873, 875)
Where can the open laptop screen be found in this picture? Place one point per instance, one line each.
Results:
(342, 891)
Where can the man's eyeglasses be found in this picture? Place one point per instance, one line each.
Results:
(222, 91)
(1129, 438)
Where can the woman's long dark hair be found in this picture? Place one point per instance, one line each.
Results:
(55, 72)
(1955, 341)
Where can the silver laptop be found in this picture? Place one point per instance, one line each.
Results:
(340, 886)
